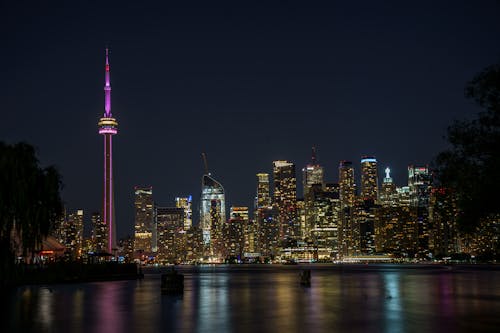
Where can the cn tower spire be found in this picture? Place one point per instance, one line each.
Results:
(107, 88)
(108, 126)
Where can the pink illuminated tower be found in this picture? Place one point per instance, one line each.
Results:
(108, 126)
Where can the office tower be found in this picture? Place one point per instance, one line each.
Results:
(369, 178)
(263, 198)
(363, 227)
(99, 233)
(388, 191)
(347, 186)
(194, 244)
(268, 232)
(171, 234)
(185, 203)
(108, 126)
(420, 184)
(126, 248)
(144, 220)
(266, 225)
(349, 233)
(326, 221)
(212, 213)
(285, 198)
(312, 174)
(235, 233)
(443, 214)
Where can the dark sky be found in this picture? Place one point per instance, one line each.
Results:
(246, 83)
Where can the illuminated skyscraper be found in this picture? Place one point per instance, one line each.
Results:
(349, 233)
(388, 194)
(235, 235)
(420, 184)
(347, 186)
(369, 178)
(312, 174)
(212, 211)
(108, 126)
(144, 220)
(263, 198)
(70, 233)
(99, 232)
(171, 234)
(285, 198)
(185, 203)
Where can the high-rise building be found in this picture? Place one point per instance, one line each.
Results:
(369, 178)
(420, 185)
(236, 232)
(108, 126)
(212, 214)
(349, 232)
(99, 233)
(144, 220)
(185, 203)
(70, 233)
(388, 194)
(312, 174)
(347, 186)
(266, 226)
(285, 198)
(263, 198)
(172, 239)
(326, 221)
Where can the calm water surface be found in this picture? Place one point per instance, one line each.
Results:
(269, 298)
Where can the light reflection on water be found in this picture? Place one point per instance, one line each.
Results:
(379, 298)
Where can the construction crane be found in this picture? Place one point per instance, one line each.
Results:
(205, 163)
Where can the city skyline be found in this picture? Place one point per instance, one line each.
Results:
(246, 85)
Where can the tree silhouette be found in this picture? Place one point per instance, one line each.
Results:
(471, 167)
(30, 203)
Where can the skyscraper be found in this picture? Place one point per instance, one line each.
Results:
(212, 211)
(144, 219)
(263, 198)
(349, 233)
(347, 186)
(185, 203)
(419, 183)
(369, 178)
(108, 126)
(285, 198)
(312, 174)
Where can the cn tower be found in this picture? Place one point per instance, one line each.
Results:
(108, 126)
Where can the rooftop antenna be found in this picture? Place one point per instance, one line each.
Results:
(205, 163)
(313, 156)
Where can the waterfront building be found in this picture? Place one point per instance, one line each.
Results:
(268, 232)
(326, 220)
(172, 238)
(285, 199)
(235, 233)
(70, 233)
(144, 220)
(194, 244)
(443, 214)
(108, 126)
(420, 184)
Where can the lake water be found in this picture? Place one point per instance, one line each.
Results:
(269, 298)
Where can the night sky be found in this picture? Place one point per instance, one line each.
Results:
(245, 83)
